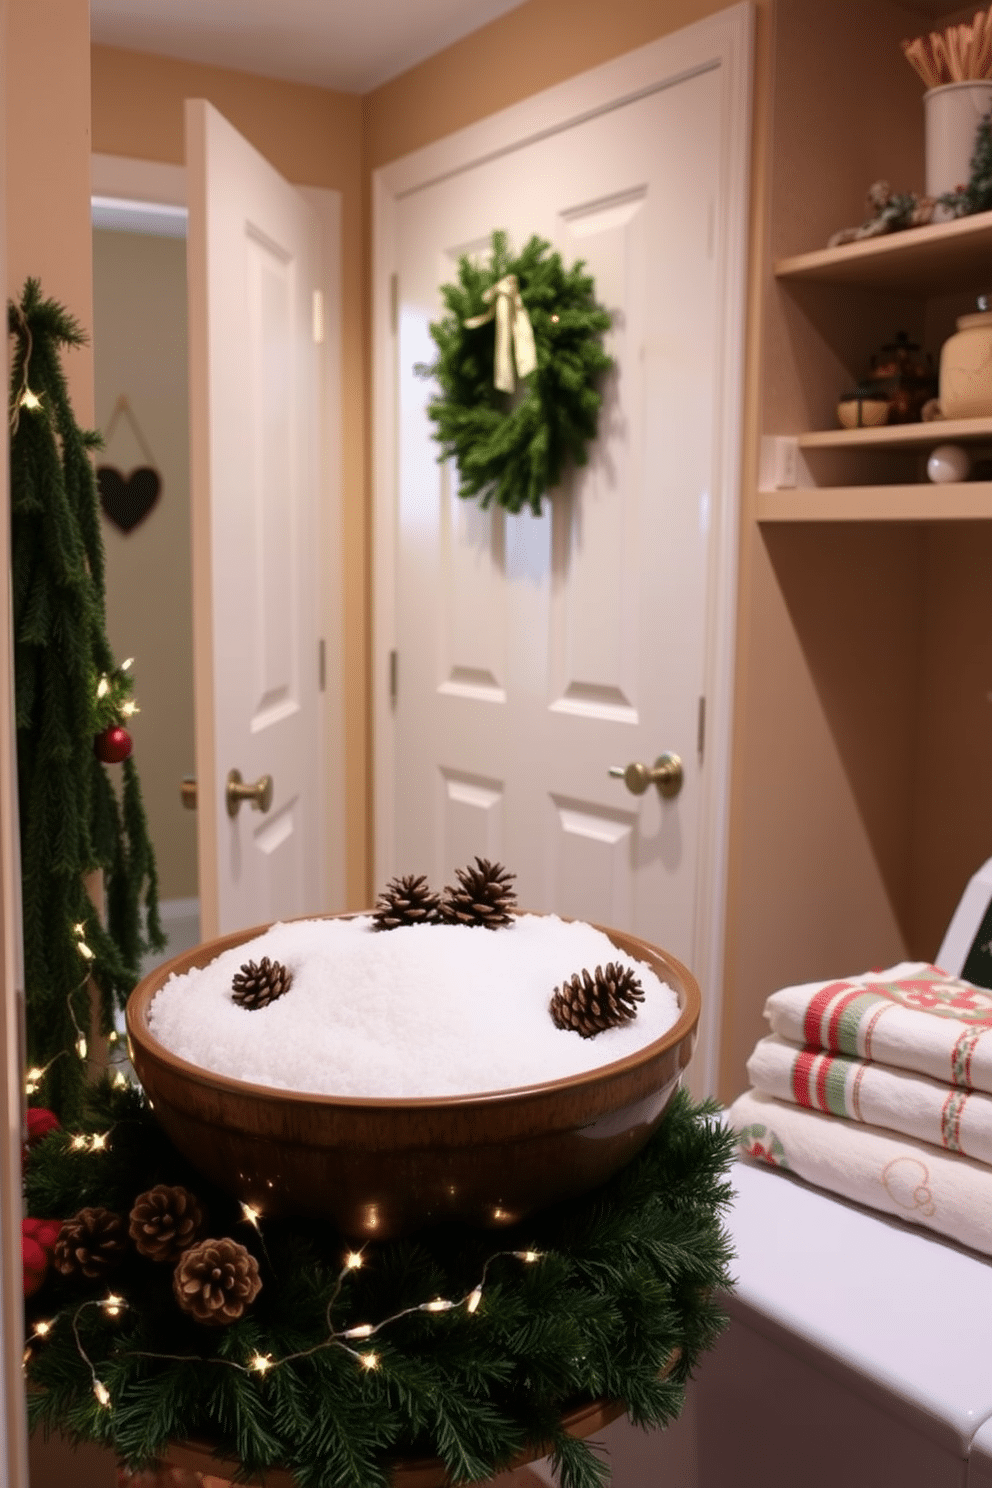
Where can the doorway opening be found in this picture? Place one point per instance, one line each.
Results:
(141, 380)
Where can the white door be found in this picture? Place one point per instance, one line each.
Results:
(534, 654)
(252, 266)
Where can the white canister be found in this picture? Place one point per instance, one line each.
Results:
(966, 369)
(952, 114)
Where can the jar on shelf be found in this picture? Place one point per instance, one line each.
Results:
(903, 373)
(966, 366)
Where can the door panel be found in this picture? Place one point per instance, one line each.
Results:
(253, 256)
(536, 652)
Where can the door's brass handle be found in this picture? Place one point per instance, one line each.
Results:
(259, 794)
(665, 773)
(187, 790)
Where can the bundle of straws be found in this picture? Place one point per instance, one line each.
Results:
(956, 55)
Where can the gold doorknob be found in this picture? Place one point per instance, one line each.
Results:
(259, 794)
(187, 790)
(665, 773)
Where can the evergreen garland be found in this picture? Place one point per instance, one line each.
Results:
(977, 195)
(626, 1275)
(512, 448)
(68, 689)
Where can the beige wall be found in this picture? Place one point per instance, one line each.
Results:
(47, 165)
(314, 137)
(139, 337)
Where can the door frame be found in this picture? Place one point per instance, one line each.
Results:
(128, 179)
(725, 40)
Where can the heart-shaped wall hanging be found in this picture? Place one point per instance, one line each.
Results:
(127, 499)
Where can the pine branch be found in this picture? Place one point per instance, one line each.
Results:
(67, 689)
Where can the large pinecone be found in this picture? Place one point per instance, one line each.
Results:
(165, 1222)
(406, 901)
(215, 1281)
(256, 986)
(589, 1004)
(91, 1243)
(483, 896)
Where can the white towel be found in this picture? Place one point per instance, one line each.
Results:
(874, 1094)
(912, 1180)
(912, 1016)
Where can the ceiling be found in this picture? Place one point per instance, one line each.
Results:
(351, 45)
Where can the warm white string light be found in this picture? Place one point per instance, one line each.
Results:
(113, 1305)
(90, 1142)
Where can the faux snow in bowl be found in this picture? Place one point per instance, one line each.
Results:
(380, 1167)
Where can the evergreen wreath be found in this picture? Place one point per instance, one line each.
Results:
(512, 448)
(623, 1277)
(68, 690)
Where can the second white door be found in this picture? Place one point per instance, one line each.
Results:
(535, 653)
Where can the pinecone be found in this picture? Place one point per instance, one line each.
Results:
(588, 1005)
(215, 1281)
(484, 896)
(256, 986)
(164, 1222)
(91, 1243)
(406, 901)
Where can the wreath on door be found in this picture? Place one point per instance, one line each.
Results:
(520, 360)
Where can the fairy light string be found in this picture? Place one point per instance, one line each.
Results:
(25, 397)
(114, 1306)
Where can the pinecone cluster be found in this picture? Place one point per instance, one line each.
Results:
(589, 1004)
(255, 986)
(215, 1281)
(484, 896)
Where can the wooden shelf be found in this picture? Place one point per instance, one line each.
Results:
(968, 501)
(939, 259)
(894, 436)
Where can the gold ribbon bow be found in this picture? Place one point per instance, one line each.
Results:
(513, 329)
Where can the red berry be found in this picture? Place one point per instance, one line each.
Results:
(38, 1237)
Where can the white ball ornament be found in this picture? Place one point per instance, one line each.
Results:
(948, 462)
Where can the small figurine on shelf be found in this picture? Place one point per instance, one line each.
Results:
(903, 373)
(892, 211)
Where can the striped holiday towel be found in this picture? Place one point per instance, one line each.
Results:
(874, 1094)
(941, 1190)
(913, 1016)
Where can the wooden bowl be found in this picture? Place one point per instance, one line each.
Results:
(380, 1168)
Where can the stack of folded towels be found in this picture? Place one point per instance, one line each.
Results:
(879, 1088)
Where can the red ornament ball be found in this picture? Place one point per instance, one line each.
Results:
(113, 745)
(40, 1123)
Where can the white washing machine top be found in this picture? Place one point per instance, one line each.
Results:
(894, 1312)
